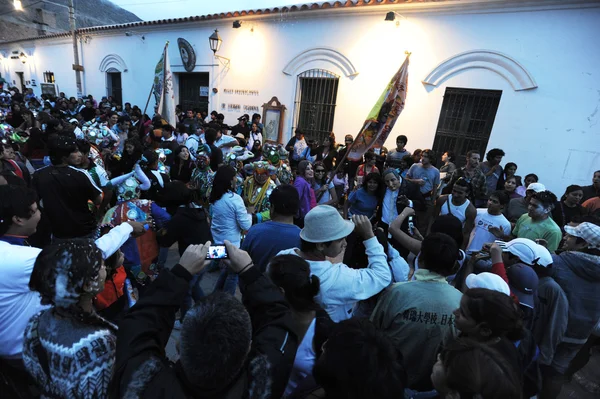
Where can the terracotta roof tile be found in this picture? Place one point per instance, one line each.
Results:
(235, 14)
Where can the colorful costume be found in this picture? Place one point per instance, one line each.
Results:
(278, 157)
(257, 194)
(140, 253)
(202, 176)
(236, 159)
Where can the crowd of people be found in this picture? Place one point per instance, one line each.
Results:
(385, 277)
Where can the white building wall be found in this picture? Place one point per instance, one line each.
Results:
(552, 130)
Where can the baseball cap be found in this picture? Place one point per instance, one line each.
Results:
(487, 280)
(537, 187)
(586, 231)
(524, 249)
(240, 136)
(523, 282)
(323, 224)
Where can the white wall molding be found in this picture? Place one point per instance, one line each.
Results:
(113, 61)
(505, 66)
(323, 54)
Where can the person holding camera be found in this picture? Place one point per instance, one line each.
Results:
(323, 239)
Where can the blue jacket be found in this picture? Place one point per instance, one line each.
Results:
(578, 274)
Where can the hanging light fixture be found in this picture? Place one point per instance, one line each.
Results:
(215, 41)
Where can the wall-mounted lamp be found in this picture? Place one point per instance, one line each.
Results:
(18, 5)
(23, 57)
(391, 16)
(215, 44)
(215, 41)
(237, 24)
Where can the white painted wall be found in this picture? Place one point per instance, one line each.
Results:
(552, 131)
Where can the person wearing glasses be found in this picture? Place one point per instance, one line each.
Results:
(324, 191)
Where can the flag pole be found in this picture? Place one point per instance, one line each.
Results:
(152, 89)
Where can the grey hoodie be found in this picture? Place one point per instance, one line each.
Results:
(578, 274)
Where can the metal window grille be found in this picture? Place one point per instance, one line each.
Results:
(466, 121)
(48, 77)
(316, 95)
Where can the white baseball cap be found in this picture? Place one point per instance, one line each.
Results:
(489, 281)
(528, 251)
(537, 187)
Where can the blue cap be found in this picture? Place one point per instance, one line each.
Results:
(523, 282)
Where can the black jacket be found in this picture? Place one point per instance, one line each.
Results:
(188, 226)
(142, 369)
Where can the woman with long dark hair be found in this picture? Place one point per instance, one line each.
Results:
(132, 153)
(530, 178)
(366, 168)
(303, 184)
(367, 198)
(182, 165)
(510, 170)
(510, 187)
(569, 207)
(229, 218)
(327, 153)
(324, 193)
(68, 349)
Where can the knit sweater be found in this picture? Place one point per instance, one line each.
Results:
(69, 358)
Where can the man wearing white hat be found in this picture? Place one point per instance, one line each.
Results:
(518, 206)
(324, 237)
(577, 272)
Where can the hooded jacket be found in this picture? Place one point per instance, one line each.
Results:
(578, 274)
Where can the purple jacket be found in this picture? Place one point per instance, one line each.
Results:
(304, 192)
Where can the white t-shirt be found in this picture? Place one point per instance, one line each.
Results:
(481, 234)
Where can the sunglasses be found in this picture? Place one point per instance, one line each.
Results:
(320, 171)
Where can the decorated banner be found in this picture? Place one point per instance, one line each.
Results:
(163, 88)
(382, 117)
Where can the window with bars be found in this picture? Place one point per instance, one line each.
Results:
(466, 121)
(49, 77)
(316, 95)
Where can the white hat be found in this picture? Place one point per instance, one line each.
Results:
(527, 251)
(537, 187)
(489, 281)
(323, 224)
(586, 231)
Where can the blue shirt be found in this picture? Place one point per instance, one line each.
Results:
(362, 203)
(15, 240)
(431, 175)
(265, 240)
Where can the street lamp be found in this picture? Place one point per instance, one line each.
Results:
(215, 44)
(18, 5)
(215, 41)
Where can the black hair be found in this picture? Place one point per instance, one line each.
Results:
(471, 152)
(210, 135)
(408, 160)
(60, 147)
(222, 182)
(69, 264)
(306, 246)
(509, 165)
(359, 361)
(476, 370)
(570, 189)
(292, 273)
(449, 225)
(462, 182)
(331, 138)
(298, 131)
(369, 156)
(497, 310)
(84, 146)
(503, 197)
(451, 155)
(215, 339)
(285, 200)
(15, 201)
(151, 158)
(215, 113)
(430, 154)
(537, 179)
(547, 198)
(439, 253)
(377, 177)
(402, 138)
(493, 153)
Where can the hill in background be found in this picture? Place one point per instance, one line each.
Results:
(39, 18)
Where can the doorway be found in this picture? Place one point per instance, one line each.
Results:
(113, 86)
(193, 91)
(21, 83)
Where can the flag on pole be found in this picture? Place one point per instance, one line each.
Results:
(382, 117)
(163, 88)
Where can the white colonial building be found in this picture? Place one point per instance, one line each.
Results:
(520, 75)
